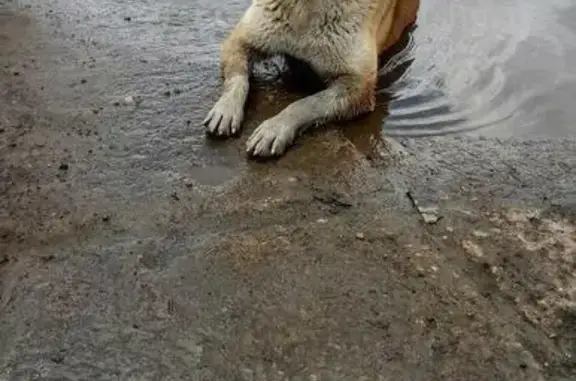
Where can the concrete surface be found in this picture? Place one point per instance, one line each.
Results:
(131, 248)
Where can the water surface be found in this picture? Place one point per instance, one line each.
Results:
(492, 67)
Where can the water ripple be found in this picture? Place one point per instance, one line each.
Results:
(498, 67)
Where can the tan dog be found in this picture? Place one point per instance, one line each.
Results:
(340, 39)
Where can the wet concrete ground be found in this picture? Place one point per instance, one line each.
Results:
(131, 248)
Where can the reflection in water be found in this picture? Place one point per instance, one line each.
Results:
(503, 67)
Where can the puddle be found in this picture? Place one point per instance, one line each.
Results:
(491, 67)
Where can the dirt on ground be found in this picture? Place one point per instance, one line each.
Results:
(131, 248)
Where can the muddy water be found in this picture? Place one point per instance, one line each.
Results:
(495, 67)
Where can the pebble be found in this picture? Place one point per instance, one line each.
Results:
(430, 215)
(473, 249)
(360, 236)
(480, 234)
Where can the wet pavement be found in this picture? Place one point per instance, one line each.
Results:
(132, 248)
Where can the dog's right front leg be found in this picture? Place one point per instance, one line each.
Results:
(226, 116)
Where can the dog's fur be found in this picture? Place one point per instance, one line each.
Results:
(340, 39)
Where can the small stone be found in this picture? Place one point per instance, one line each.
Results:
(321, 220)
(188, 183)
(430, 215)
(473, 249)
(480, 234)
(360, 236)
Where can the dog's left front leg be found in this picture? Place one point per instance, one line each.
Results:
(347, 96)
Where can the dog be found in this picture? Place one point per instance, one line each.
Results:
(341, 40)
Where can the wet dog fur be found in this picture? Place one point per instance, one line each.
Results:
(341, 40)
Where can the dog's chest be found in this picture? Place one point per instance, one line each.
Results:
(308, 29)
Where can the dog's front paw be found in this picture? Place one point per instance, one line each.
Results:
(225, 118)
(271, 138)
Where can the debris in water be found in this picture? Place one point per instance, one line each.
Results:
(429, 214)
